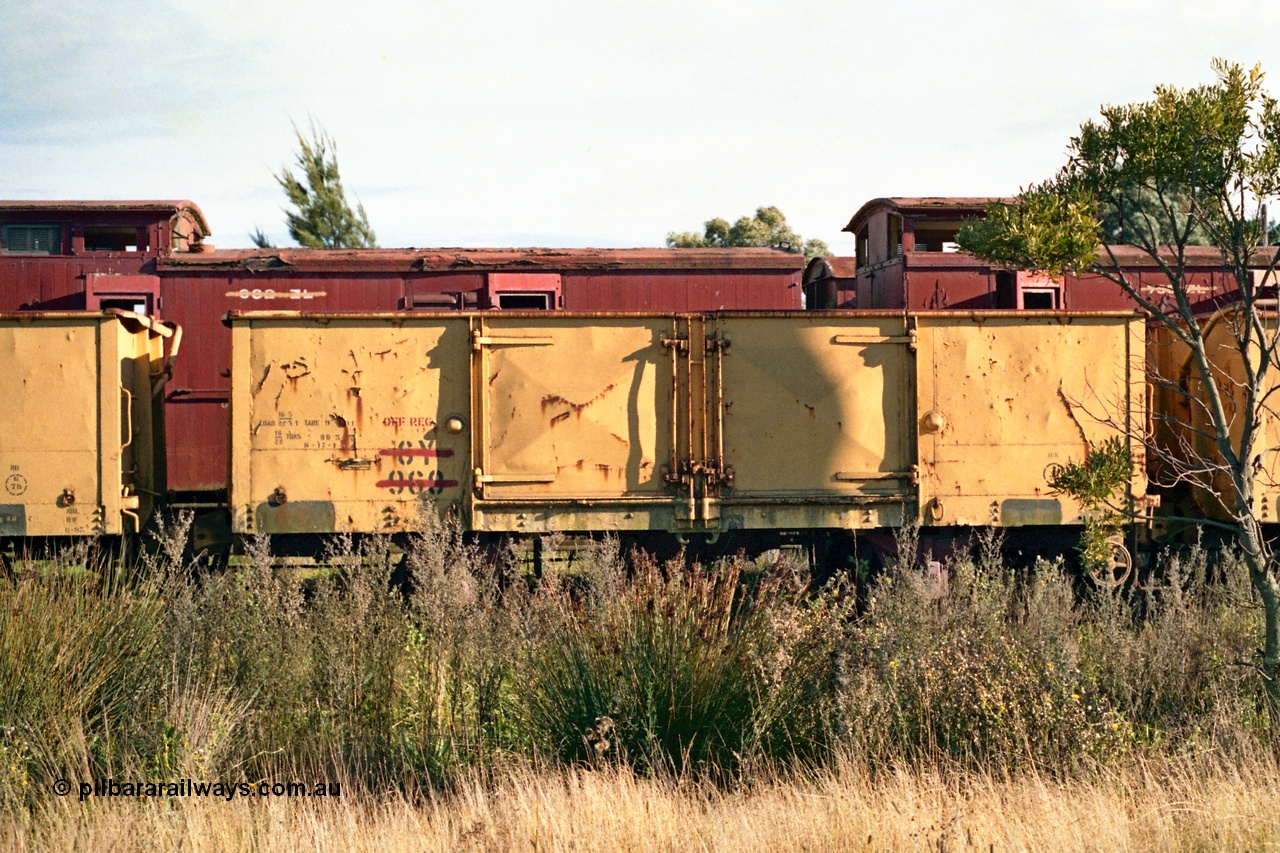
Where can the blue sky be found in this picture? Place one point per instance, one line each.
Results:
(581, 123)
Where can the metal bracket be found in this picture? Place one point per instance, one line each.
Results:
(868, 340)
(482, 478)
(715, 342)
(480, 340)
(861, 476)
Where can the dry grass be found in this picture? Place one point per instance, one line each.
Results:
(1006, 710)
(1203, 805)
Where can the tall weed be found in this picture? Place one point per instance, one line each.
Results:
(678, 667)
(81, 675)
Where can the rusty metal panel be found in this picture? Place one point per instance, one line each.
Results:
(79, 437)
(344, 423)
(818, 420)
(573, 422)
(1001, 399)
(1190, 440)
(942, 288)
(683, 290)
(196, 397)
(699, 422)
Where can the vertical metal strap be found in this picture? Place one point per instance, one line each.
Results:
(719, 410)
(675, 397)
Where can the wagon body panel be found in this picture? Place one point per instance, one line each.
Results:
(81, 430)
(678, 422)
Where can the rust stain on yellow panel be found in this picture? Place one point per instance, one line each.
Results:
(683, 422)
(339, 426)
(579, 418)
(1002, 400)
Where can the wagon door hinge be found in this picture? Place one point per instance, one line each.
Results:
(715, 342)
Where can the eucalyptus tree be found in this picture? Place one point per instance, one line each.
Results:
(1203, 162)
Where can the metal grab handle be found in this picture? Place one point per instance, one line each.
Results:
(128, 417)
(175, 342)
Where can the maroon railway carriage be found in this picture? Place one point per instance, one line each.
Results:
(906, 257)
(153, 257)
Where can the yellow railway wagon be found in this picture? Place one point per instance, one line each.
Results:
(536, 422)
(81, 429)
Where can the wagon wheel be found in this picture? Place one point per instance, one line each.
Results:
(1119, 565)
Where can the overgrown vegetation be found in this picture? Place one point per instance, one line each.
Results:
(715, 672)
(1190, 167)
(1097, 482)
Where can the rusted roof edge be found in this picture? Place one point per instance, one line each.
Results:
(960, 205)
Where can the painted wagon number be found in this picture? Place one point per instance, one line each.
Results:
(416, 482)
(408, 458)
(269, 294)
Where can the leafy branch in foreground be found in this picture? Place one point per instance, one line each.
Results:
(1094, 482)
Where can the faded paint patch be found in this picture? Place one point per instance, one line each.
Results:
(1027, 512)
(296, 517)
(13, 520)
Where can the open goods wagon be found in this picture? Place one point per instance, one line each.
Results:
(154, 257)
(81, 421)
(660, 422)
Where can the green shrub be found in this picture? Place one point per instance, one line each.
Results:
(168, 671)
(986, 674)
(680, 666)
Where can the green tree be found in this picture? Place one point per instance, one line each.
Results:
(260, 239)
(768, 228)
(321, 217)
(1134, 212)
(1204, 160)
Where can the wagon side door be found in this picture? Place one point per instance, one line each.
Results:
(347, 424)
(1002, 399)
(572, 422)
(817, 421)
